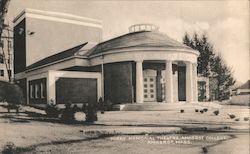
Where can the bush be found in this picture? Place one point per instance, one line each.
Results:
(68, 114)
(216, 112)
(232, 116)
(52, 111)
(91, 114)
(9, 148)
(237, 119)
(11, 93)
(246, 118)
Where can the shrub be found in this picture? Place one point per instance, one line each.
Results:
(237, 119)
(232, 116)
(91, 114)
(182, 111)
(68, 114)
(9, 148)
(216, 112)
(52, 111)
(196, 110)
(11, 93)
(201, 111)
(205, 109)
(246, 118)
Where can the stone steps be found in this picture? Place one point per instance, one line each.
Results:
(154, 106)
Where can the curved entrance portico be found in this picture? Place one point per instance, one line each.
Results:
(166, 81)
(172, 66)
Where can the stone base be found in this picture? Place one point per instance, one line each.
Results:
(154, 106)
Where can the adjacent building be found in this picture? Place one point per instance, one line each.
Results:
(6, 56)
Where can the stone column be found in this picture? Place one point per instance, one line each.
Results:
(139, 82)
(158, 86)
(189, 82)
(175, 82)
(195, 87)
(169, 82)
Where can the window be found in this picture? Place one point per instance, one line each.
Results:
(1, 59)
(1, 72)
(31, 91)
(42, 90)
(36, 90)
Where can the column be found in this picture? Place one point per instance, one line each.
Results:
(175, 82)
(158, 86)
(169, 82)
(139, 82)
(51, 86)
(189, 82)
(195, 87)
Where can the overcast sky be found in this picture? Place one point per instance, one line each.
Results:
(225, 22)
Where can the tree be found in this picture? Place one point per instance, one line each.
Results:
(224, 77)
(206, 52)
(11, 93)
(211, 65)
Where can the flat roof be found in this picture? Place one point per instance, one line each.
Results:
(55, 15)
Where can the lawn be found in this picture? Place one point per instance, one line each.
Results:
(31, 134)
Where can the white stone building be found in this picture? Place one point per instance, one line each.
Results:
(141, 66)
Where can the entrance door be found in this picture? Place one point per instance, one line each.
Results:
(150, 88)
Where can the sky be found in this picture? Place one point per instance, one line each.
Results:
(226, 23)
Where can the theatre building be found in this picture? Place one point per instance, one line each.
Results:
(141, 66)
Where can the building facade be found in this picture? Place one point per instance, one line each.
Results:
(143, 65)
(6, 55)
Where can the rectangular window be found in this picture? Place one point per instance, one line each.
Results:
(36, 90)
(31, 91)
(1, 59)
(42, 90)
(1, 72)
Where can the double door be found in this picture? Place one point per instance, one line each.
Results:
(149, 89)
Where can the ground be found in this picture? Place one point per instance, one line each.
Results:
(132, 132)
